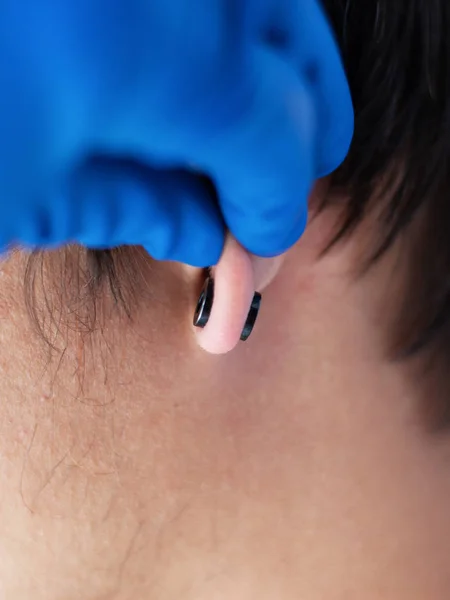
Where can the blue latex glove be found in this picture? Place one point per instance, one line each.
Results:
(106, 104)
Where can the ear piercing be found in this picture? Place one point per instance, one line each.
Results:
(205, 302)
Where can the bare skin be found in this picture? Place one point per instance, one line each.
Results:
(137, 466)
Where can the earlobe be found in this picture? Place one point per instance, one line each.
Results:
(229, 301)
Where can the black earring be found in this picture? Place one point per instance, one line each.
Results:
(251, 317)
(205, 302)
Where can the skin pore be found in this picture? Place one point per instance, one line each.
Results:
(135, 465)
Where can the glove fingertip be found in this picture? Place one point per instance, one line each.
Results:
(273, 243)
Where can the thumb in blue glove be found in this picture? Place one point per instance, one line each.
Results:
(122, 88)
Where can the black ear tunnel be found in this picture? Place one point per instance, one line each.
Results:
(251, 317)
(204, 306)
(204, 303)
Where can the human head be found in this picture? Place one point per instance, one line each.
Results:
(396, 177)
(136, 465)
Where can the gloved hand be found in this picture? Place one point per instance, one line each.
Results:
(108, 108)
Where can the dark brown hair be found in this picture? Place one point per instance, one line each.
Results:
(397, 58)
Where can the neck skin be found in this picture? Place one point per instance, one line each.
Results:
(295, 466)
